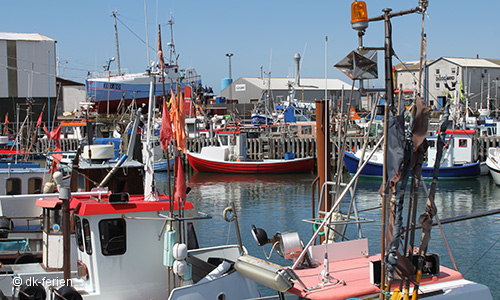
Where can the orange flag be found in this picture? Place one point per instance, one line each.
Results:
(39, 120)
(177, 114)
(166, 134)
(353, 115)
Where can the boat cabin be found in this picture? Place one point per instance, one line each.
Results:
(459, 148)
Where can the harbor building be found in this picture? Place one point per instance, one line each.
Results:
(479, 78)
(27, 74)
(250, 90)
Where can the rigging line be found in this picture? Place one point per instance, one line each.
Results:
(481, 257)
(473, 230)
(137, 36)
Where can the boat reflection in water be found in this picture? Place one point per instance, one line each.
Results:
(278, 201)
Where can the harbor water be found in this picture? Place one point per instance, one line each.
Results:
(279, 203)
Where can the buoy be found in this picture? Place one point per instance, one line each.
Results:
(316, 227)
(179, 251)
(180, 267)
(229, 214)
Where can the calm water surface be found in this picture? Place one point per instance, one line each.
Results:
(280, 203)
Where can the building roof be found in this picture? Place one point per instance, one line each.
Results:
(471, 62)
(24, 37)
(411, 65)
(310, 84)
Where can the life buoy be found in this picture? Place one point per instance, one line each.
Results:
(316, 227)
(229, 214)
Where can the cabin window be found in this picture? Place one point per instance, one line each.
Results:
(453, 70)
(438, 85)
(432, 144)
(437, 71)
(86, 235)
(35, 185)
(78, 233)
(113, 236)
(13, 186)
(462, 143)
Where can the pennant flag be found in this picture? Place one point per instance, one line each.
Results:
(353, 115)
(180, 181)
(55, 134)
(166, 134)
(187, 100)
(39, 120)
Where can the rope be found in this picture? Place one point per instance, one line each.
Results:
(482, 256)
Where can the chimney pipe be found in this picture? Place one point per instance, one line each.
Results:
(296, 57)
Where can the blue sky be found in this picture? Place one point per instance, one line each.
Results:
(258, 33)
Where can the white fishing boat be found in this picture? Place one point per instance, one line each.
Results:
(493, 163)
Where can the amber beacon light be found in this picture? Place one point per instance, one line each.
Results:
(359, 15)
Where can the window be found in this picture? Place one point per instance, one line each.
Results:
(438, 85)
(462, 143)
(453, 70)
(13, 186)
(437, 71)
(113, 236)
(485, 71)
(86, 235)
(35, 185)
(78, 233)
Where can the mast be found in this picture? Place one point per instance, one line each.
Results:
(114, 13)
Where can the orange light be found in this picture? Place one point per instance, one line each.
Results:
(358, 12)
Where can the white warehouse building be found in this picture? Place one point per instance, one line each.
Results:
(479, 78)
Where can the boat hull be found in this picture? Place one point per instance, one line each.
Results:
(297, 165)
(375, 169)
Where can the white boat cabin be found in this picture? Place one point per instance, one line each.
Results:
(459, 148)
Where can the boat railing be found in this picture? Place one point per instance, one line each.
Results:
(110, 73)
(336, 204)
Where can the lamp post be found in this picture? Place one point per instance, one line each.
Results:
(229, 55)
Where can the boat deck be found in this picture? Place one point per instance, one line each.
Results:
(353, 277)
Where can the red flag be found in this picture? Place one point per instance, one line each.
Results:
(57, 156)
(6, 119)
(166, 134)
(180, 181)
(187, 101)
(55, 134)
(39, 120)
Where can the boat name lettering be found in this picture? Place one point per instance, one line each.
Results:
(112, 86)
(445, 78)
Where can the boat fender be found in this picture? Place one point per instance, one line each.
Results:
(180, 267)
(179, 251)
(32, 291)
(316, 227)
(217, 272)
(170, 238)
(228, 214)
(48, 188)
(5, 225)
(67, 293)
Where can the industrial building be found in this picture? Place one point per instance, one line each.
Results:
(479, 78)
(249, 90)
(27, 74)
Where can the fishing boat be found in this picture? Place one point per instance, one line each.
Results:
(231, 157)
(457, 162)
(336, 262)
(114, 90)
(493, 163)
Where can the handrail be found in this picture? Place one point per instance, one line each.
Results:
(337, 203)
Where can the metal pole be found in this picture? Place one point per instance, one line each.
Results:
(65, 195)
(114, 13)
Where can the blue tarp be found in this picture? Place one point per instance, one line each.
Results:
(289, 117)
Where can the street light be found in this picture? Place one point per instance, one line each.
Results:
(229, 55)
